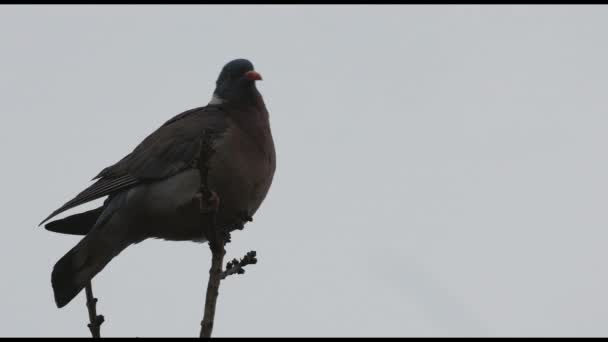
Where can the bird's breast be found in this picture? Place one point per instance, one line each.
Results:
(241, 171)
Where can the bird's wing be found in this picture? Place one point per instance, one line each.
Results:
(177, 145)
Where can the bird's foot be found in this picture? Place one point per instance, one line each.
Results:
(208, 201)
(244, 216)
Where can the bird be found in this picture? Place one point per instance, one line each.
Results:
(154, 192)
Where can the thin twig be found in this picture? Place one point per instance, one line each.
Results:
(216, 244)
(95, 319)
(236, 267)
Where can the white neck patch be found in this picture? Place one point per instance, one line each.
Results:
(216, 100)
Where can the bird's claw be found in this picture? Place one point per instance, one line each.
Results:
(245, 216)
(208, 201)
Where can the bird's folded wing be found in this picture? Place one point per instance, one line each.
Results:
(174, 147)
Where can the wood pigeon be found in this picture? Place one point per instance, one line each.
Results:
(152, 191)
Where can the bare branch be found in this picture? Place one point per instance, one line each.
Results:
(216, 244)
(213, 287)
(236, 267)
(95, 319)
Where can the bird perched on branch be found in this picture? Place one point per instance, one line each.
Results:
(155, 191)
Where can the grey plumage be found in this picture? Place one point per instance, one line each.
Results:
(151, 191)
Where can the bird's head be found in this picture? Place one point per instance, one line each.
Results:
(236, 83)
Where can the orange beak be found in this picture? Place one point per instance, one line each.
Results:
(253, 76)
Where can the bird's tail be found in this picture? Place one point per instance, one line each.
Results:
(75, 269)
(78, 224)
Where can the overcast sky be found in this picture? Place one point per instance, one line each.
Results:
(441, 170)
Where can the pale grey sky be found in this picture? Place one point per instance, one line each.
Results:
(441, 169)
